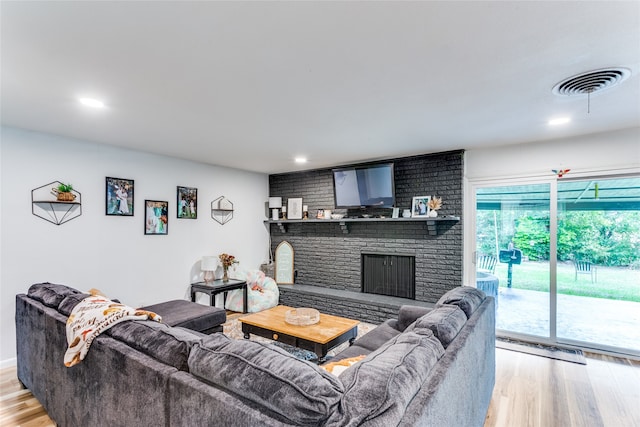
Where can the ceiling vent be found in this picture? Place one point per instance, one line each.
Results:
(591, 81)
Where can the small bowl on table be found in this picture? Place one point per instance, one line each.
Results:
(337, 216)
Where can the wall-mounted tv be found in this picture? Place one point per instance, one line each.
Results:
(364, 186)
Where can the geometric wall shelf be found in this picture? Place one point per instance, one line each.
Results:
(45, 205)
(222, 210)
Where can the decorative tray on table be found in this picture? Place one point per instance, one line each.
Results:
(302, 316)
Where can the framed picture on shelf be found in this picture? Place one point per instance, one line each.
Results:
(156, 217)
(119, 196)
(294, 208)
(320, 214)
(187, 202)
(420, 206)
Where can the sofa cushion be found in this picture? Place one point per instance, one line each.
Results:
(70, 301)
(298, 390)
(409, 314)
(379, 336)
(445, 322)
(465, 297)
(168, 345)
(50, 294)
(386, 381)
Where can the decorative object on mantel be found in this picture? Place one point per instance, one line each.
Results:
(406, 213)
(420, 206)
(63, 192)
(227, 261)
(302, 316)
(434, 204)
(59, 210)
(222, 210)
(295, 208)
(305, 212)
(275, 203)
(284, 212)
(208, 264)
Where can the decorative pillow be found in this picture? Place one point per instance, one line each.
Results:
(445, 322)
(158, 340)
(387, 380)
(50, 294)
(465, 297)
(298, 390)
(337, 368)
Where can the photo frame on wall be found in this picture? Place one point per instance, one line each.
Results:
(420, 206)
(156, 218)
(294, 208)
(187, 202)
(119, 196)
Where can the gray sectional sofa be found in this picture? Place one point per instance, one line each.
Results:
(428, 367)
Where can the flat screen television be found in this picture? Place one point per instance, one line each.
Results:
(364, 186)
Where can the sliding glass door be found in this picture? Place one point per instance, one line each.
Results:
(562, 259)
(512, 255)
(598, 260)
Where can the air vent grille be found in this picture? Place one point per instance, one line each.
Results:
(591, 81)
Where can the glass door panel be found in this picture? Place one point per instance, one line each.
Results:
(598, 263)
(512, 255)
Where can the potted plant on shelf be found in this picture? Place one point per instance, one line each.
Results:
(63, 193)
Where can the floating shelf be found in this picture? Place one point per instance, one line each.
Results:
(222, 210)
(431, 222)
(54, 211)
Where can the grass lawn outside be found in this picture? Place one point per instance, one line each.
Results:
(618, 283)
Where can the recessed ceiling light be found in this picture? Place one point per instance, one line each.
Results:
(90, 102)
(300, 160)
(559, 121)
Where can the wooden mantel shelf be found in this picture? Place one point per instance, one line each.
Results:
(430, 221)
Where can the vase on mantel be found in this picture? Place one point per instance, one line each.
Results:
(225, 276)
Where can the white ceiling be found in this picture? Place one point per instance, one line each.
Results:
(251, 85)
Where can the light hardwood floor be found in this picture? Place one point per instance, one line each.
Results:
(530, 391)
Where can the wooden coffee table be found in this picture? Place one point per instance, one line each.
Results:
(328, 333)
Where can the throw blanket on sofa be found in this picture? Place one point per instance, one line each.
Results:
(92, 316)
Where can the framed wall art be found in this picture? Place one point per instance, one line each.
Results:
(119, 196)
(187, 202)
(294, 208)
(420, 206)
(156, 218)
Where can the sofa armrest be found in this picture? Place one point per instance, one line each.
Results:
(409, 314)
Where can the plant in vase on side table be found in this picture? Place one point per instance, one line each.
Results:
(227, 261)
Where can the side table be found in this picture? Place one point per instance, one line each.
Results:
(218, 286)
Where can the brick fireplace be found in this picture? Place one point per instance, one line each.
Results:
(328, 261)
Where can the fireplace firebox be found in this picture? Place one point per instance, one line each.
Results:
(389, 274)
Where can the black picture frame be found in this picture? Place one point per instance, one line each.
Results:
(186, 203)
(119, 196)
(156, 217)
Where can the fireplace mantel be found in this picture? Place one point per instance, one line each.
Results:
(431, 222)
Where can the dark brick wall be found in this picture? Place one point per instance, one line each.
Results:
(326, 257)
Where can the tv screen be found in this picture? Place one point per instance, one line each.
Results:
(364, 186)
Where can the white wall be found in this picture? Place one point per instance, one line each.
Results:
(112, 253)
(583, 155)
